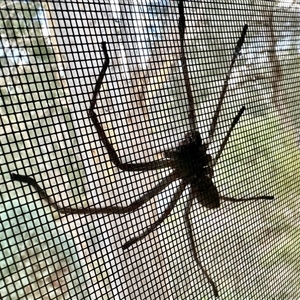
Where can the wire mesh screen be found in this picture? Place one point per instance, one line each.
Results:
(149, 149)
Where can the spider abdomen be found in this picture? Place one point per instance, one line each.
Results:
(206, 193)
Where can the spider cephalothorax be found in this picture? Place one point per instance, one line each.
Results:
(190, 156)
(189, 163)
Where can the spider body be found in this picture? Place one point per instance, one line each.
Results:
(194, 165)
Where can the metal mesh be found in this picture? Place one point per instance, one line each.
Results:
(51, 58)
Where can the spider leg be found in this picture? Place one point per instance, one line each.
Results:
(101, 76)
(234, 122)
(40, 191)
(181, 25)
(231, 199)
(166, 213)
(238, 48)
(154, 165)
(193, 245)
(98, 210)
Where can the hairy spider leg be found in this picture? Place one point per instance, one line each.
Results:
(187, 220)
(165, 214)
(154, 165)
(99, 210)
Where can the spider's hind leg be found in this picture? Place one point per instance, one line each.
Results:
(187, 220)
(232, 199)
(165, 214)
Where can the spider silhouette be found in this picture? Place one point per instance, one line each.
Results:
(189, 162)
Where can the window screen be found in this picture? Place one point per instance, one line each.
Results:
(149, 149)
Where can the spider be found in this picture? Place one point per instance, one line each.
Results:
(189, 162)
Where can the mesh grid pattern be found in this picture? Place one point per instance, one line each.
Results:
(51, 57)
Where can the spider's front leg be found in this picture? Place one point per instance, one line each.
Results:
(129, 167)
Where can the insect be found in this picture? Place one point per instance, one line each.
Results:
(189, 162)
